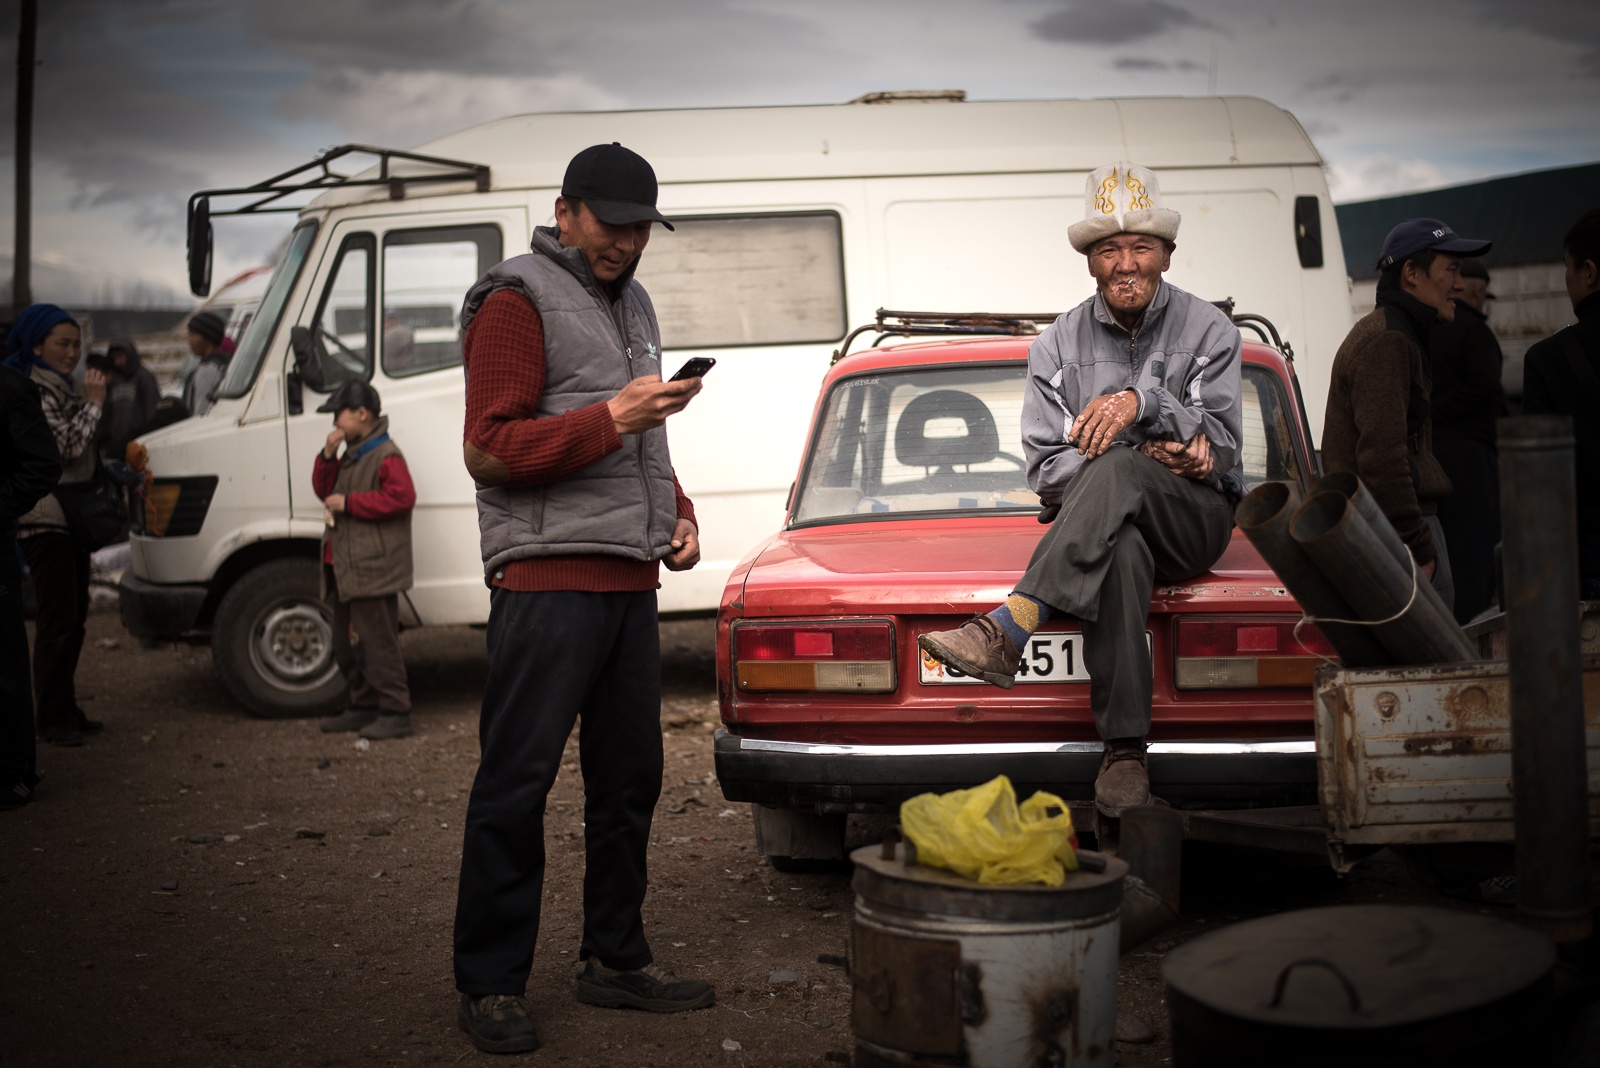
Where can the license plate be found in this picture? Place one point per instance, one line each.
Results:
(1054, 657)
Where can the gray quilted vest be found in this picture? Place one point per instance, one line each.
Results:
(623, 504)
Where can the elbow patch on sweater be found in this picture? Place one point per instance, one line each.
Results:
(484, 467)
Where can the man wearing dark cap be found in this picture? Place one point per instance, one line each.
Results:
(578, 507)
(1464, 364)
(206, 331)
(1377, 423)
(1561, 376)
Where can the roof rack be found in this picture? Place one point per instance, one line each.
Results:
(937, 324)
(269, 191)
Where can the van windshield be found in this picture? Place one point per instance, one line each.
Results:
(252, 349)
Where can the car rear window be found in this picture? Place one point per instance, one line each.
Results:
(916, 441)
(948, 440)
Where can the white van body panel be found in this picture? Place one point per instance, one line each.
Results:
(828, 213)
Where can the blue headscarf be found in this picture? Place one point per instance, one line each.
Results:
(33, 325)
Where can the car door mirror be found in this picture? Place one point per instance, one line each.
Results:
(200, 246)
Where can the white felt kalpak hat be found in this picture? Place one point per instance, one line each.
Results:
(1122, 198)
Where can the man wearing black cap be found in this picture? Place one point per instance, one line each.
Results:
(1561, 376)
(1377, 423)
(1464, 363)
(578, 507)
(206, 331)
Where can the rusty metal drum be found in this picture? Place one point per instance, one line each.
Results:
(948, 971)
(1381, 986)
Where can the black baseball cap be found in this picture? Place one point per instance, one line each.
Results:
(357, 394)
(617, 183)
(1415, 235)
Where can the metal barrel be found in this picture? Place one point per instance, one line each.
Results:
(1264, 516)
(1342, 544)
(1548, 770)
(1348, 486)
(945, 970)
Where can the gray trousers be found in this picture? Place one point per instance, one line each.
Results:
(1125, 521)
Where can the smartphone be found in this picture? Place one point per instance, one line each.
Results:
(695, 368)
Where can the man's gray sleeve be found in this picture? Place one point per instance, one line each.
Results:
(1208, 401)
(1046, 418)
(204, 384)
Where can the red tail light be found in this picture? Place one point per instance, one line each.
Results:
(1216, 654)
(856, 656)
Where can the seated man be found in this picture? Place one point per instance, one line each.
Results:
(1131, 425)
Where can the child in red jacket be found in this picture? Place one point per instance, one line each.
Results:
(366, 560)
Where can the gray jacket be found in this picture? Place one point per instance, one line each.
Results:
(1183, 358)
(624, 504)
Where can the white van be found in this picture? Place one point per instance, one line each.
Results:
(793, 225)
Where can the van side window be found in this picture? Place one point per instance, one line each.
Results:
(344, 318)
(725, 280)
(426, 273)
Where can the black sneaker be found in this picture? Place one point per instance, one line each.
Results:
(351, 719)
(388, 725)
(16, 794)
(497, 1023)
(652, 988)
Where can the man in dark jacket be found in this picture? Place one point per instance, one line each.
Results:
(1464, 363)
(29, 467)
(131, 398)
(1377, 422)
(1561, 376)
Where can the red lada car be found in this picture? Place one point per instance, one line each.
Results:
(912, 513)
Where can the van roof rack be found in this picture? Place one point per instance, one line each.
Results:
(271, 190)
(936, 324)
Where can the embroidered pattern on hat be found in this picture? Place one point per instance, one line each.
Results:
(1103, 198)
(1138, 199)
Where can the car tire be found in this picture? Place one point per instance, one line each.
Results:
(796, 841)
(272, 643)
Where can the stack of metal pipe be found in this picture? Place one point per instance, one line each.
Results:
(1342, 560)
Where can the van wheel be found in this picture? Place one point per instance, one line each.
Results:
(272, 643)
(796, 841)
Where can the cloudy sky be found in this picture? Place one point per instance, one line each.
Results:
(140, 102)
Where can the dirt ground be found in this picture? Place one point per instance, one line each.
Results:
(199, 887)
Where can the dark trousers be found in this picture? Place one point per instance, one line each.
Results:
(18, 758)
(1470, 516)
(376, 671)
(61, 588)
(556, 657)
(1125, 521)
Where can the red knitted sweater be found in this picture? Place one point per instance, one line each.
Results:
(504, 356)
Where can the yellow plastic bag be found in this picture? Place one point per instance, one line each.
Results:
(982, 834)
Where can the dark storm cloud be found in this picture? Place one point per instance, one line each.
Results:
(1115, 23)
(108, 121)
(1559, 20)
(461, 35)
(1137, 64)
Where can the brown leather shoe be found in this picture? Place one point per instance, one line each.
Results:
(1124, 779)
(978, 648)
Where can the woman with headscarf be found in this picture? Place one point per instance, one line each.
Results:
(46, 345)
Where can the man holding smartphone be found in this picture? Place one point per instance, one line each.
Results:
(578, 507)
